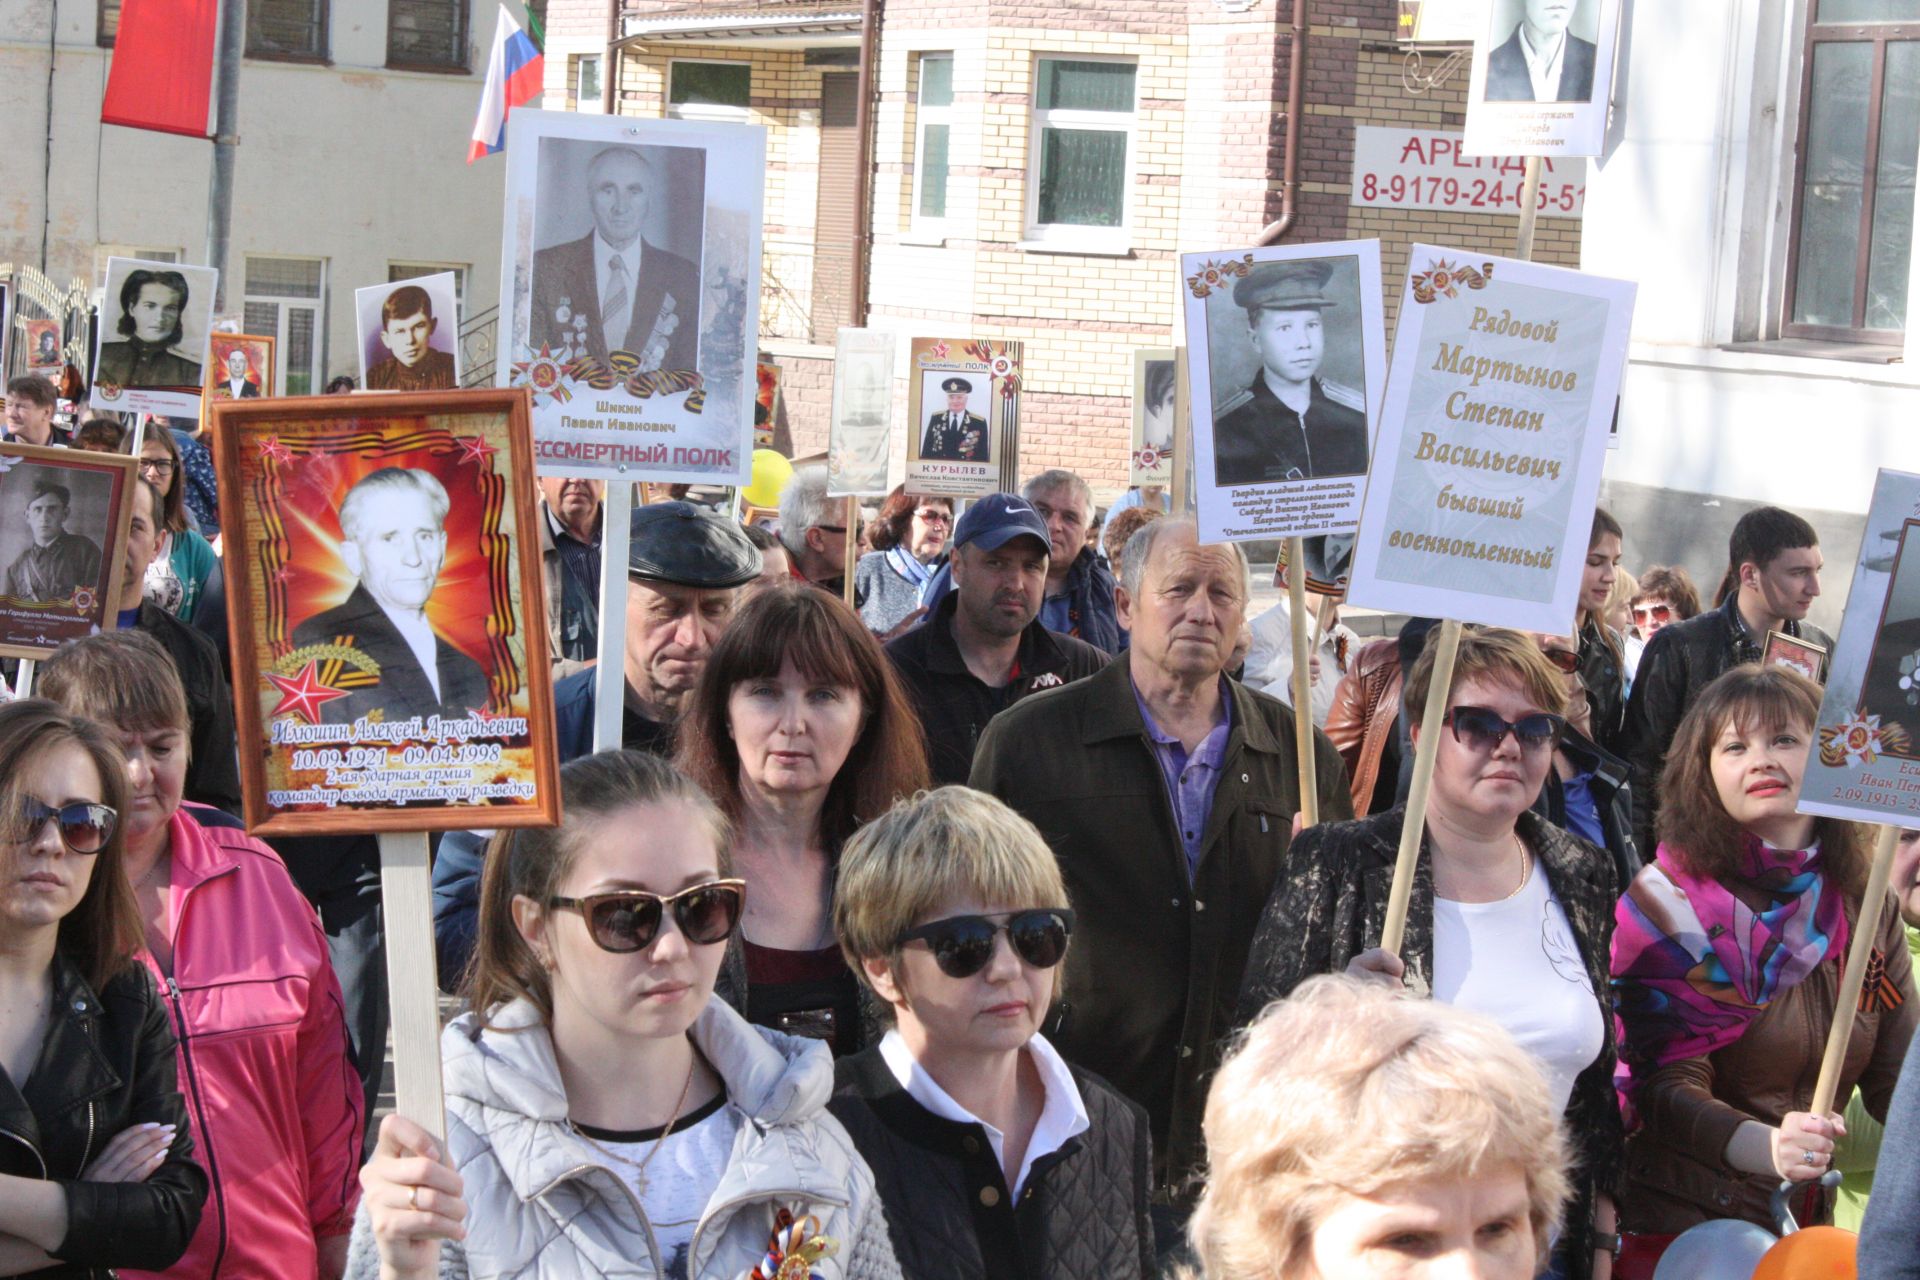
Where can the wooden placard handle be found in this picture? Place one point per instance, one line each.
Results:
(1393, 934)
(852, 538)
(610, 688)
(406, 898)
(1302, 682)
(1865, 929)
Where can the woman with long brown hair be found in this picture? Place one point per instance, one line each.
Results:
(1602, 650)
(1727, 953)
(800, 731)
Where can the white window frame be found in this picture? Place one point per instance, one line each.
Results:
(460, 271)
(588, 104)
(709, 112)
(285, 305)
(924, 226)
(151, 253)
(1066, 237)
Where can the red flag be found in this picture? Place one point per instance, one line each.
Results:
(162, 70)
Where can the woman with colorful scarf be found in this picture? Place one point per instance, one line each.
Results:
(1727, 953)
(909, 539)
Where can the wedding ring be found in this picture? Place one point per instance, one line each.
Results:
(1810, 1158)
(413, 1192)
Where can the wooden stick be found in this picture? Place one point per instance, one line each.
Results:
(406, 897)
(1865, 929)
(1302, 681)
(610, 657)
(1529, 210)
(1424, 754)
(1180, 481)
(852, 537)
(23, 679)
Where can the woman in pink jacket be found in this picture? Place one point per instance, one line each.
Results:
(241, 963)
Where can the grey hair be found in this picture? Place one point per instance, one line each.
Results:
(803, 505)
(389, 480)
(1139, 550)
(1060, 478)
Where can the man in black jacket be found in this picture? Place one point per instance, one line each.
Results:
(1772, 580)
(984, 648)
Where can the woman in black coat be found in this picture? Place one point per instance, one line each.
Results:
(1509, 915)
(996, 1160)
(96, 1167)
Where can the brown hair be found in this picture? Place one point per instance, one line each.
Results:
(1489, 653)
(120, 678)
(1603, 525)
(174, 515)
(1693, 824)
(895, 521)
(1673, 585)
(100, 435)
(1124, 525)
(532, 862)
(828, 642)
(33, 387)
(103, 930)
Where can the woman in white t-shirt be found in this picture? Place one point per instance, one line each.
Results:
(605, 1115)
(1509, 915)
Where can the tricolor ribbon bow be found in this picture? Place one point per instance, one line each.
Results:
(793, 1249)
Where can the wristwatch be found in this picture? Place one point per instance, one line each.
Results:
(1608, 1240)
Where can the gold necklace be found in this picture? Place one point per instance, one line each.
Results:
(640, 1166)
(1525, 865)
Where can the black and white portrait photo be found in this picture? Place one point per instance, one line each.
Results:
(617, 248)
(1542, 51)
(56, 557)
(409, 334)
(958, 426)
(155, 320)
(1891, 689)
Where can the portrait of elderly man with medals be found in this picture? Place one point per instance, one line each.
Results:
(1290, 424)
(954, 434)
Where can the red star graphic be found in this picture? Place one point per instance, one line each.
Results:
(475, 449)
(304, 694)
(271, 447)
(284, 574)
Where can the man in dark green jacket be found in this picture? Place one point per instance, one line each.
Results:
(1168, 792)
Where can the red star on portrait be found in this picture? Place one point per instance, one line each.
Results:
(284, 574)
(272, 447)
(475, 449)
(304, 694)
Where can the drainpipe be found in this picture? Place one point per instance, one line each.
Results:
(1275, 231)
(611, 59)
(863, 147)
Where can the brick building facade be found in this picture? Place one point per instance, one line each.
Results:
(1085, 146)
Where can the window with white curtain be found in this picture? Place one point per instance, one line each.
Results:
(1080, 155)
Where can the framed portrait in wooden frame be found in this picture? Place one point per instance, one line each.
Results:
(239, 367)
(63, 528)
(387, 612)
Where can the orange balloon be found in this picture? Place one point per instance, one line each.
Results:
(1817, 1253)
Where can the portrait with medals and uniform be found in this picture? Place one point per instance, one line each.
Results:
(954, 432)
(963, 416)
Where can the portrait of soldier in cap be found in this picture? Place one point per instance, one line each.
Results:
(1290, 424)
(954, 434)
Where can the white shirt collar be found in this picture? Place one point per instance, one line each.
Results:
(603, 254)
(1544, 72)
(418, 633)
(1063, 1115)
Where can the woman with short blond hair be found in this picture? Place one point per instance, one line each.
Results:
(996, 1159)
(1462, 1163)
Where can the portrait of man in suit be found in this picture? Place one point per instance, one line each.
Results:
(394, 524)
(56, 562)
(613, 289)
(1540, 60)
(956, 434)
(239, 382)
(412, 363)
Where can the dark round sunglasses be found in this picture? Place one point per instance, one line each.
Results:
(1565, 661)
(83, 827)
(629, 919)
(963, 945)
(1485, 729)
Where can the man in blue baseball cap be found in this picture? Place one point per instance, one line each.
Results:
(983, 647)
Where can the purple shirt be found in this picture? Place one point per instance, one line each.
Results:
(1191, 778)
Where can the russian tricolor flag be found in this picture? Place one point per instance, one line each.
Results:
(515, 71)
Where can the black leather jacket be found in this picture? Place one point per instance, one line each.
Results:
(1612, 796)
(1604, 677)
(107, 1064)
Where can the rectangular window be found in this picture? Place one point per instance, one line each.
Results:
(286, 297)
(107, 24)
(933, 132)
(1853, 209)
(427, 34)
(408, 270)
(709, 91)
(1079, 158)
(586, 84)
(292, 30)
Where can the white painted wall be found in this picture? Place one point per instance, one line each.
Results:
(1693, 203)
(351, 162)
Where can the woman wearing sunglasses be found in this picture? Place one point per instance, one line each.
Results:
(242, 969)
(1762, 899)
(96, 1164)
(798, 729)
(996, 1159)
(606, 1115)
(1509, 916)
(909, 545)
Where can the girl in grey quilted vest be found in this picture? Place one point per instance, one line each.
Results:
(605, 1115)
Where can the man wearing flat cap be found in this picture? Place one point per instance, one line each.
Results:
(955, 435)
(1291, 424)
(685, 571)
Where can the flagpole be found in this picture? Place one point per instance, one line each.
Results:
(226, 141)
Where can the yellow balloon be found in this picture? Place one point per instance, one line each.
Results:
(771, 472)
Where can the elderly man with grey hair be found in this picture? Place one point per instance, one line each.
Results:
(1168, 791)
(812, 531)
(393, 523)
(1079, 599)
